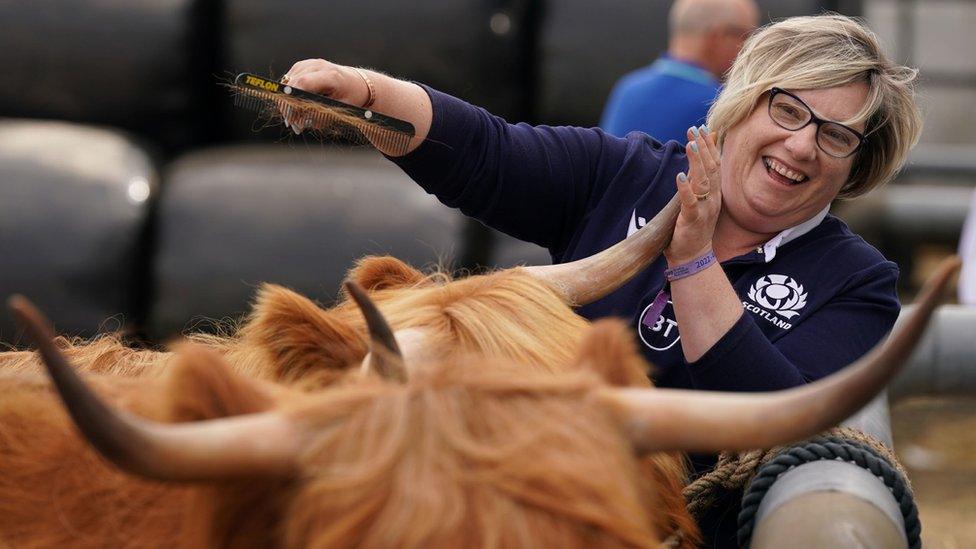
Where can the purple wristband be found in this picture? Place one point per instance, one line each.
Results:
(681, 271)
(690, 268)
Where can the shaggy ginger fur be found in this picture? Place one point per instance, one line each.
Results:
(288, 345)
(474, 452)
(473, 456)
(289, 338)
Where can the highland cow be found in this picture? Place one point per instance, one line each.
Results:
(507, 420)
(462, 451)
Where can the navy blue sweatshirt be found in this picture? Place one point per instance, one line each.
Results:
(815, 298)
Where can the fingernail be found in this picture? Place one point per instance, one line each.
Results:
(694, 147)
(682, 177)
(694, 131)
(705, 129)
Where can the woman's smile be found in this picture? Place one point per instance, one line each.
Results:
(782, 172)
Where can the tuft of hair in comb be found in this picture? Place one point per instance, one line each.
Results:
(333, 118)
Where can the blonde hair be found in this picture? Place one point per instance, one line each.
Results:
(826, 51)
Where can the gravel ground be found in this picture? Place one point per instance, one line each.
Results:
(936, 441)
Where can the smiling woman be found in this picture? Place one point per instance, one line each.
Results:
(761, 286)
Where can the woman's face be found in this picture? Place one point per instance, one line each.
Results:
(757, 151)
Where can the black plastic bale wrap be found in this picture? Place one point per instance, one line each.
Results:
(72, 219)
(475, 49)
(137, 65)
(230, 219)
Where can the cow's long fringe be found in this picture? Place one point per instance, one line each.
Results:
(464, 457)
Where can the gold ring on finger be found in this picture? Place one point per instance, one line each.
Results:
(702, 196)
(284, 79)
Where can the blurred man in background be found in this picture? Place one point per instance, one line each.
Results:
(673, 93)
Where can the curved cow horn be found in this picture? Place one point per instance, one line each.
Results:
(587, 280)
(385, 356)
(234, 447)
(698, 421)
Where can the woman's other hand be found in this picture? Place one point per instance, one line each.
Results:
(700, 192)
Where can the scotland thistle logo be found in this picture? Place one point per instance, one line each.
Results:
(780, 294)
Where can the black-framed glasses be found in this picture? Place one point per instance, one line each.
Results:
(791, 113)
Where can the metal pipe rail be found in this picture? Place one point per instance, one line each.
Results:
(838, 504)
(909, 214)
(833, 503)
(944, 363)
(900, 218)
(943, 162)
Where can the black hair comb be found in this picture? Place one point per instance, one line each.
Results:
(333, 118)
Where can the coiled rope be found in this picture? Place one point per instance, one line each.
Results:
(763, 467)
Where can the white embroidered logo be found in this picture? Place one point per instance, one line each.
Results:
(636, 223)
(659, 333)
(780, 294)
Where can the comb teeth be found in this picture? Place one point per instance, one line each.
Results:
(248, 102)
(332, 118)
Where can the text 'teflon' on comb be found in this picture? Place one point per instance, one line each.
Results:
(328, 116)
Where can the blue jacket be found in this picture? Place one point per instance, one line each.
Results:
(815, 298)
(662, 99)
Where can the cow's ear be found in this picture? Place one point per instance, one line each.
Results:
(608, 348)
(382, 272)
(299, 337)
(201, 385)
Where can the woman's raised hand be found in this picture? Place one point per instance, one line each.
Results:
(341, 83)
(700, 192)
(363, 88)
